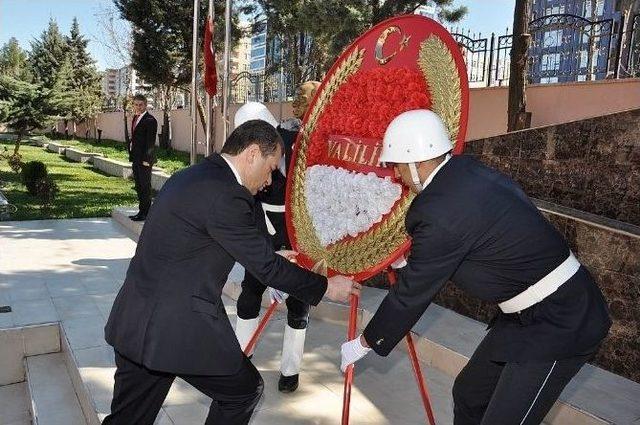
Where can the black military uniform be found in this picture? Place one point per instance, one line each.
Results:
(248, 306)
(477, 228)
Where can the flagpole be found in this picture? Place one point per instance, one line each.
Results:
(226, 86)
(208, 96)
(194, 88)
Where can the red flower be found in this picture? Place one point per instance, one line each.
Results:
(365, 105)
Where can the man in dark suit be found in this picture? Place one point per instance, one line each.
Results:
(143, 142)
(474, 226)
(168, 319)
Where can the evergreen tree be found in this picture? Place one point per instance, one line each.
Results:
(83, 86)
(13, 61)
(84, 70)
(26, 106)
(48, 53)
(63, 89)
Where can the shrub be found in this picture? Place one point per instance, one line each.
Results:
(32, 173)
(46, 190)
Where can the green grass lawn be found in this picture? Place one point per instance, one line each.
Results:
(170, 161)
(84, 192)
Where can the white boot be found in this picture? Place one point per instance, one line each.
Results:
(245, 330)
(292, 350)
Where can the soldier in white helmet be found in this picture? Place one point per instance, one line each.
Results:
(476, 227)
(248, 307)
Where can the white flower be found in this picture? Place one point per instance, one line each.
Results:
(343, 202)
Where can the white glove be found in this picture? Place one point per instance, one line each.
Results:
(277, 296)
(352, 351)
(399, 263)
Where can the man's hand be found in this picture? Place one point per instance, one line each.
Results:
(340, 287)
(352, 351)
(146, 164)
(288, 254)
(277, 296)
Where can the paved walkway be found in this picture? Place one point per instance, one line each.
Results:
(70, 271)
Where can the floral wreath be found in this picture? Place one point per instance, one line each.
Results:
(345, 213)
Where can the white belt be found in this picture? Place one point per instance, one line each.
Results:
(543, 288)
(274, 209)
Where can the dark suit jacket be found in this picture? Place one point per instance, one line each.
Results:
(169, 315)
(143, 140)
(476, 227)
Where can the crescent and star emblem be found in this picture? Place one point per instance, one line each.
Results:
(382, 60)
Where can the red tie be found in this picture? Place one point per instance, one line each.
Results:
(134, 123)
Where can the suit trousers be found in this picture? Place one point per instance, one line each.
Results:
(139, 393)
(487, 392)
(142, 179)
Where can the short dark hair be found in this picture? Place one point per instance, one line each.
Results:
(254, 132)
(140, 97)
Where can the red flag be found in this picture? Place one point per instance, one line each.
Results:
(210, 74)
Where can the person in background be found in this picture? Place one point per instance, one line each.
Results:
(141, 154)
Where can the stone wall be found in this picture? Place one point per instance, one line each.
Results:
(591, 165)
(113, 167)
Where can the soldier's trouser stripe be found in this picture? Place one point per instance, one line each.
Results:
(538, 393)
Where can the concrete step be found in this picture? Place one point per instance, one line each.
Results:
(53, 398)
(14, 405)
(17, 343)
(121, 216)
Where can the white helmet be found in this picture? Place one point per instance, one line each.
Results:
(253, 111)
(415, 136)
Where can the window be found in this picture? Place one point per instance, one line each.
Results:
(552, 38)
(257, 64)
(599, 8)
(550, 62)
(258, 39)
(257, 52)
(555, 10)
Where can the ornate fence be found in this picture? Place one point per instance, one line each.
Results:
(247, 87)
(564, 47)
(632, 68)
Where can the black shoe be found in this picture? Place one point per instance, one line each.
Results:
(288, 384)
(138, 217)
(134, 216)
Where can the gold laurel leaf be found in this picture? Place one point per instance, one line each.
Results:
(441, 73)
